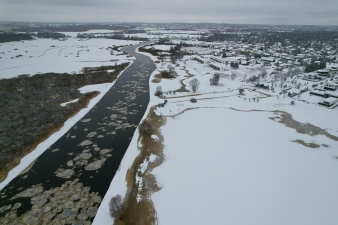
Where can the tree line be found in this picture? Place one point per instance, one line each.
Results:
(313, 66)
(302, 38)
(8, 37)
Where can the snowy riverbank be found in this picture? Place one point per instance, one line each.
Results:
(234, 158)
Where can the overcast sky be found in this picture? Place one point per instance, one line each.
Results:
(316, 12)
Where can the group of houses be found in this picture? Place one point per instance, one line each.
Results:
(250, 54)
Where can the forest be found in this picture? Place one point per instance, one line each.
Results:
(8, 37)
(30, 107)
(269, 37)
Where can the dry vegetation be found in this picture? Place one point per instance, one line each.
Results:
(31, 111)
(137, 207)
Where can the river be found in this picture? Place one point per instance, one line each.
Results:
(67, 183)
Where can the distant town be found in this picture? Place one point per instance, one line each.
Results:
(280, 52)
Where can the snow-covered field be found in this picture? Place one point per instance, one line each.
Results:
(168, 34)
(161, 47)
(99, 32)
(46, 55)
(227, 161)
(240, 167)
(243, 168)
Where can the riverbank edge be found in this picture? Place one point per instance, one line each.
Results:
(56, 128)
(52, 137)
(139, 208)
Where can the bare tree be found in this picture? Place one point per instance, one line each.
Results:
(263, 72)
(172, 71)
(253, 79)
(145, 127)
(233, 76)
(215, 79)
(173, 58)
(161, 57)
(115, 206)
(194, 84)
(159, 91)
(281, 85)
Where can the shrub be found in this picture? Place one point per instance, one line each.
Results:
(168, 74)
(159, 91)
(194, 84)
(215, 79)
(145, 127)
(115, 207)
(234, 65)
(214, 67)
(193, 100)
(253, 79)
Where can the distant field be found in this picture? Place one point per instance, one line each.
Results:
(47, 55)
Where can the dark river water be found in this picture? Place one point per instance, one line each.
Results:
(67, 183)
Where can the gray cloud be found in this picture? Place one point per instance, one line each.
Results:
(238, 11)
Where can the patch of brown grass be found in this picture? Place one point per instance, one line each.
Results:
(306, 144)
(142, 212)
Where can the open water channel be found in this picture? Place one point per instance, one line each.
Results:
(67, 183)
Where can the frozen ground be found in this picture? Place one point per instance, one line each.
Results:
(224, 162)
(243, 168)
(98, 32)
(46, 55)
(227, 161)
(161, 47)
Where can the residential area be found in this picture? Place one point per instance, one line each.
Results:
(304, 71)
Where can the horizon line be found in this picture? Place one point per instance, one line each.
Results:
(134, 22)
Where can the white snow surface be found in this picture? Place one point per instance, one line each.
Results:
(161, 47)
(47, 55)
(242, 168)
(66, 103)
(224, 162)
(228, 164)
(155, 137)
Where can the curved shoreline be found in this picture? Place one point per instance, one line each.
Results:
(87, 153)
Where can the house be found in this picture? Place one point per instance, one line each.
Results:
(300, 56)
(201, 59)
(268, 59)
(312, 77)
(244, 62)
(331, 86)
(262, 86)
(328, 102)
(333, 69)
(323, 72)
(218, 59)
